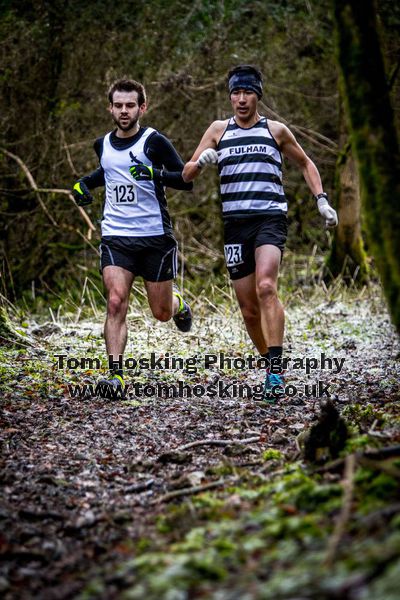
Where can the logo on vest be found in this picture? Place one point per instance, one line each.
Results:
(134, 159)
(248, 150)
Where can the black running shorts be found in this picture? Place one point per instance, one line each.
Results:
(154, 258)
(243, 236)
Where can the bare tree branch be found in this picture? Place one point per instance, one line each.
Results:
(66, 148)
(302, 131)
(32, 182)
(84, 214)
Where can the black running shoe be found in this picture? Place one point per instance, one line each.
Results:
(183, 318)
(112, 388)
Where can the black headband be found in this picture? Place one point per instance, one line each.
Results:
(245, 81)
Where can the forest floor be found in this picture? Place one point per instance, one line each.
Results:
(206, 496)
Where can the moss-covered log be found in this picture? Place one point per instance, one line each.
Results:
(374, 138)
(8, 333)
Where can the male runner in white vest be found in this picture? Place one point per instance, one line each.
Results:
(248, 149)
(137, 238)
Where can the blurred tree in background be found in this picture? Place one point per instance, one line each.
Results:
(57, 60)
(374, 137)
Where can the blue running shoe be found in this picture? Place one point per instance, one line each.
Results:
(274, 387)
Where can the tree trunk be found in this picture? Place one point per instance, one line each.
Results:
(374, 138)
(347, 256)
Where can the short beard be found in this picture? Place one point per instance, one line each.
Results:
(131, 124)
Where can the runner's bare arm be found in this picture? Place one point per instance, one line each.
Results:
(210, 139)
(292, 150)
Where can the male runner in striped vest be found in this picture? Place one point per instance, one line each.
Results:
(136, 163)
(248, 149)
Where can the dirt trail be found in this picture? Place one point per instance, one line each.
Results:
(81, 476)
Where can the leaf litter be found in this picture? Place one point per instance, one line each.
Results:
(200, 497)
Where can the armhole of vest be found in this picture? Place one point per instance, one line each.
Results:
(223, 133)
(99, 147)
(146, 141)
(276, 143)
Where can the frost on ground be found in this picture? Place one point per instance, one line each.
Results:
(208, 495)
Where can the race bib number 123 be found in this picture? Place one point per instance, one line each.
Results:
(233, 254)
(123, 194)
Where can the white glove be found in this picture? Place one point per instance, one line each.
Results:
(209, 156)
(327, 212)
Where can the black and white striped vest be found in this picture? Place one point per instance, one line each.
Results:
(250, 168)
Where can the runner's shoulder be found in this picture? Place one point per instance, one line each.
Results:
(219, 126)
(279, 130)
(217, 129)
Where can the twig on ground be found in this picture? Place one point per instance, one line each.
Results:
(381, 435)
(196, 489)
(139, 487)
(348, 485)
(334, 465)
(379, 465)
(373, 455)
(381, 453)
(214, 442)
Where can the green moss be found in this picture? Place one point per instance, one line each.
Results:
(356, 443)
(143, 544)
(382, 486)
(360, 412)
(220, 470)
(272, 454)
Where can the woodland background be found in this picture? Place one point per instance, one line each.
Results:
(57, 60)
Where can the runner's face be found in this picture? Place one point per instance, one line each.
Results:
(125, 110)
(244, 104)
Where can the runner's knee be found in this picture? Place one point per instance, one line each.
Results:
(117, 305)
(266, 290)
(162, 313)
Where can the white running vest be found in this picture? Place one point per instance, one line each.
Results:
(250, 168)
(131, 207)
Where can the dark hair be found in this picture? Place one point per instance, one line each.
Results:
(127, 85)
(245, 69)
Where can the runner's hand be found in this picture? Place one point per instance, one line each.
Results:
(209, 156)
(141, 172)
(81, 194)
(327, 212)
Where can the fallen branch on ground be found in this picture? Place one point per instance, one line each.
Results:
(214, 442)
(373, 455)
(196, 489)
(348, 485)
